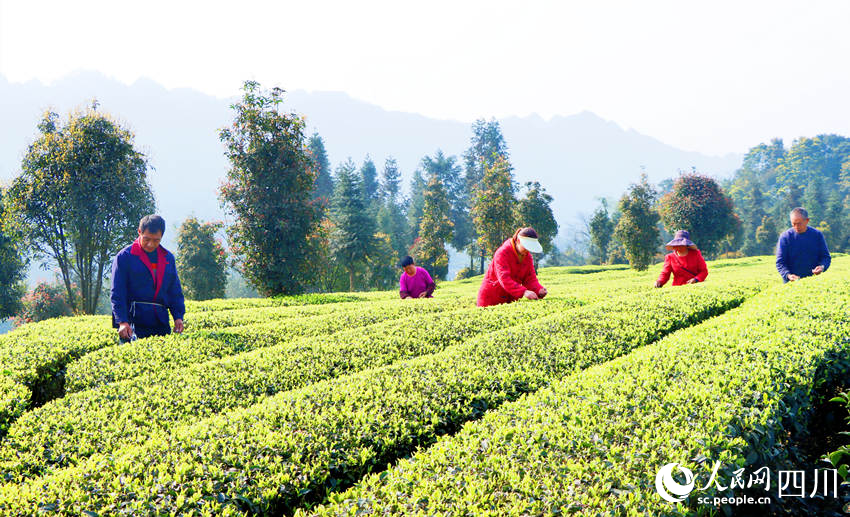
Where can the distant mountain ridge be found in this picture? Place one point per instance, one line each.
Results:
(578, 158)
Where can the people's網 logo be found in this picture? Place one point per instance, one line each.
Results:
(668, 488)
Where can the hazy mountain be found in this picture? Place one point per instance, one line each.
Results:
(578, 158)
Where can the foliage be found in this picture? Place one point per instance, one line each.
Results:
(416, 203)
(323, 187)
(601, 229)
(201, 260)
(391, 217)
(493, 209)
(466, 272)
(81, 193)
(44, 302)
(435, 229)
(12, 267)
(269, 192)
(349, 425)
(369, 182)
(535, 210)
(637, 227)
(698, 205)
(352, 237)
(449, 173)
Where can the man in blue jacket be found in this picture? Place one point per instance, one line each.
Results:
(801, 250)
(145, 286)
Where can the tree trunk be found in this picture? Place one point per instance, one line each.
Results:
(350, 280)
(482, 261)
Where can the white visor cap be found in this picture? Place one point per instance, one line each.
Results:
(531, 244)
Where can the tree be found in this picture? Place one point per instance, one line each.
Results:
(435, 229)
(269, 192)
(369, 180)
(44, 302)
(352, 237)
(81, 193)
(323, 187)
(415, 203)
(766, 237)
(391, 218)
(601, 229)
(535, 210)
(201, 260)
(697, 204)
(486, 145)
(12, 268)
(449, 172)
(493, 207)
(637, 228)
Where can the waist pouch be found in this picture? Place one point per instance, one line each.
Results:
(148, 314)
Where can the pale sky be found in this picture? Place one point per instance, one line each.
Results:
(713, 77)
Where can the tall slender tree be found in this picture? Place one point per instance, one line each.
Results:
(601, 229)
(391, 218)
(415, 203)
(353, 233)
(435, 228)
(486, 145)
(323, 187)
(493, 210)
(369, 181)
(269, 191)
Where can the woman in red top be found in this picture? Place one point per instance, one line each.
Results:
(511, 275)
(686, 262)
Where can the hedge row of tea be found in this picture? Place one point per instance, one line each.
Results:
(729, 390)
(128, 412)
(296, 445)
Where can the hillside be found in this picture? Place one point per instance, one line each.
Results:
(275, 406)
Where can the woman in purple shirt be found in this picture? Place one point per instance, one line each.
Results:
(415, 282)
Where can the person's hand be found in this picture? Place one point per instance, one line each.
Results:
(658, 284)
(542, 292)
(818, 270)
(124, 330)
(692, 281)
(423, 294)
(531, 295)
(178, 326)
(793, 278)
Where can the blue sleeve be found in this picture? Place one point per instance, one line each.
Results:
(177, 304)
(825, 258)
(118, 296)
(781, 253)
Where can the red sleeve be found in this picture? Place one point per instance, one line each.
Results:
(503, 273)
(665, 272)
(702, 269)
(531, 283)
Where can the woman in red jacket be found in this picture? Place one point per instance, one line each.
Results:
(686, 262)
(511, 275)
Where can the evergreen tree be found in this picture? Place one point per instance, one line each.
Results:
(415, 203)
(637, 228)
(391, 219)
(601, 230)
(434, 229)
(323, 187)
(493, 211)
(535, 210)
(369, 182)
(352, 237)
(766, 237)
(201, 260)
(269, 190)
